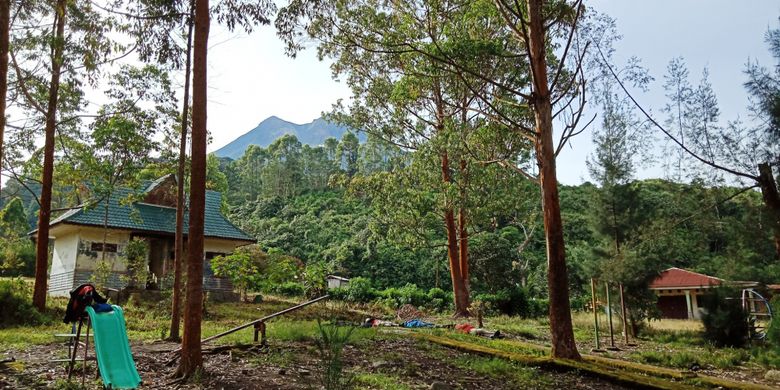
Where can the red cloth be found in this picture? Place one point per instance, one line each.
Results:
(465, 328)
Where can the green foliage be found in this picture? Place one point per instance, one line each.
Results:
(289, 289)
(330, 346)
(314, 282)
(513, 302)
(15, 304)
(359, 290)
(101, 274)
(725, 322)
(773, 332)
(281, 269)
(17, 254)
(245, 268)
(136, 261)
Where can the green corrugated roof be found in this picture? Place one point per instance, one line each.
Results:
(151, 218)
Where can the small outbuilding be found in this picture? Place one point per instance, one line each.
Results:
(336, 281)
(678, 292)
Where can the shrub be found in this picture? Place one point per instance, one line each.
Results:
(725, 322)
(330, 344)
(359, 290)
(773, 332)
(513, 302)
(136, 261)
(438, 299)
(101, 274)
(410, 294)
(290, 289)
(15, 304)
(314, 278)
(244, 268)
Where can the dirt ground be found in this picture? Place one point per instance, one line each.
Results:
(294, 365)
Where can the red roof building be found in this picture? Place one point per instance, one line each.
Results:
(675, 278)
(678, 291)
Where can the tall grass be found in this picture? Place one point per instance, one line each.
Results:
(330, 344)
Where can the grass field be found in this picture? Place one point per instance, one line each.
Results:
(673, 344)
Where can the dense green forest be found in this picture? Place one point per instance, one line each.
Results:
(329, 205)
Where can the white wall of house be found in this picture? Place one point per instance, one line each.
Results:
(88, 261)
(63, 263)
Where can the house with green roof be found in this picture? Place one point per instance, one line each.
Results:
(78, 237)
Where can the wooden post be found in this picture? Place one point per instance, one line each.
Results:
(623, 310)
(595, 315)
(263, 339)
(612, 346)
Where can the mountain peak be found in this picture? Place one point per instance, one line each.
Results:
(313, 133)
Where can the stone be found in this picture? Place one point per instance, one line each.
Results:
(304, 372)
(772, 375)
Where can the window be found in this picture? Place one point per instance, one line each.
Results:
(98, 247)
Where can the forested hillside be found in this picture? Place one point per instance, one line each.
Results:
(355, 210)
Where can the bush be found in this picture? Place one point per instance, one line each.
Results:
(16, 305)
(330, 346)
(725, 322)
(359, 290)
(244, 268)
(410, 294)
(773, 332)
(136, 254)
(513, 302)
(439, 300)
(290, 289)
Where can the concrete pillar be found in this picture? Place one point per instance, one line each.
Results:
(688, 302)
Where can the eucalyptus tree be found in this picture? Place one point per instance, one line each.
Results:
(191, 358)
(5, 40)
(76, 36)
(163, 32)
(245, 14)
(406, 97)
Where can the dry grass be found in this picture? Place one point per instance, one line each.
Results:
(676, 325)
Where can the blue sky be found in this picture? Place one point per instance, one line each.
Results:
(250, 78)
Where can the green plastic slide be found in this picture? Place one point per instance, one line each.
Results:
(112, 349)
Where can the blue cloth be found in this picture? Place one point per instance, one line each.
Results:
(102, 307)
(417, 323)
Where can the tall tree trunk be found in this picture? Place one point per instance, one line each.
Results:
(766, 181)
(179, 239)
(5, 26)
(191, 358)
(463, 233)
(44, 214)
(563, 345)
(453, 254)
